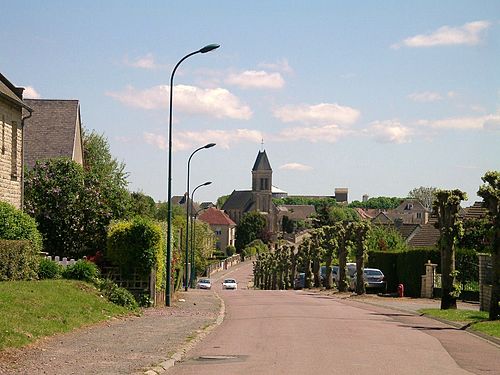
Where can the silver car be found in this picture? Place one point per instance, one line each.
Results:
(204, 284)
(373, 277)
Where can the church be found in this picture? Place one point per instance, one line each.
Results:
(258, 199)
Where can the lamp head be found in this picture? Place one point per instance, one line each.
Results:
(209, 145)
(209, 48)
(207, 183)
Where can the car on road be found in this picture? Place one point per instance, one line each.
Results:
(229, 284)
(300, 281)
(374, 279)
(204, 284)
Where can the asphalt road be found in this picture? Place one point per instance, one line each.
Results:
(299, 332)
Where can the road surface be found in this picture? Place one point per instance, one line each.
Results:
(299, 332)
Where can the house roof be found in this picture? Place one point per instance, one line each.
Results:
(262, 162)
(12, 93)
(239, 200)
(416, 205)
(427, 236)
(407, 231)
(297, 211)
(213, 216)
(476, 211)
(51, 131)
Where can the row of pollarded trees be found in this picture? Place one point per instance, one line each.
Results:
(278, 269)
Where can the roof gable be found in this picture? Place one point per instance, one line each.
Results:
(52, 130)
(239, 200)
(11, 93)
(213, 216)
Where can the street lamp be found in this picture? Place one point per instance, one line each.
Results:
(193, 227)
(188, 207)
(205, 49)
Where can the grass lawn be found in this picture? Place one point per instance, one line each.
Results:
(477, 318)
(33, 309)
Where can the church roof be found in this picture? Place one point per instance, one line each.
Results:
(239, 200)
(262, 162)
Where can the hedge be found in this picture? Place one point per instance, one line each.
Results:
(17, 225)
(407, 267)
(18, 260)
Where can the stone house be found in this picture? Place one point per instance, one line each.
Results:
(11, 142)
(223, 227)
(54, 130)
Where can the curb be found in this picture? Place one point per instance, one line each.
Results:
(162, 367)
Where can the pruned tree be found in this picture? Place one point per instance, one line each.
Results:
(490, 192)
(330, 246)
(446, 207)
(344, 238)
(360, 232)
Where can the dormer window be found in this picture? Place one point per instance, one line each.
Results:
(409, 206)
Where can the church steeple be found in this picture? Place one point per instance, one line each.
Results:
(262, 174)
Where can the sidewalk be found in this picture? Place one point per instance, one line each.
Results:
(121, 346)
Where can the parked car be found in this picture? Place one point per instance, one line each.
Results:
(335, 274)
(300, 281)
(229, 284)
(204, 284)
(373, 277)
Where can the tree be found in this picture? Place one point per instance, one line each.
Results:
(446, 207)
(360, 232)
(251, 227)
(221, 200)
(330, 246)
(53, 196)
(426, 195)
(328, 215)
(385, 238)
(383, 203)
(142, 205)
(490, 192)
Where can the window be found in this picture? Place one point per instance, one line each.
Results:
(419, 215)
(218, 231)
(13, 169)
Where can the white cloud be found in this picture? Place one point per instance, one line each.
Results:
(187, 140)
(467, 34)
(144, 62)
(281, 65)
(256, 79)
(463, 123)
(217, 102)
(390, 131)
(328, 133)
(30, 93)
(492, 124)
(426, 96)
(296, 167)
(318, 114)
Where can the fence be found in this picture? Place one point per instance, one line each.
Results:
(222, 265)
(62, 261)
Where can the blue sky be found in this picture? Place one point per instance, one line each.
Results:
(379, 97)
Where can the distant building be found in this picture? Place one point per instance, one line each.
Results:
(341, 195)
(258, 199)
(11, 142)
(223, 227)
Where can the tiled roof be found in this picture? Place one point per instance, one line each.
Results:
(297, 212)
(239, 200)
(427, 236)
(262, 162)
(51, 131)
(476, 211)
(214, 216)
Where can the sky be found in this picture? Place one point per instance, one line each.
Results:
(376, 96)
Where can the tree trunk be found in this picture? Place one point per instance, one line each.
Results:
(342, 268)
(360, 282)
(494, 312)
(316, 273)
(448, 299)
(328, 275)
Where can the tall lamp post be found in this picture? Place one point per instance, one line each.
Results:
(188, 208)
(193, 227)
(168, 291)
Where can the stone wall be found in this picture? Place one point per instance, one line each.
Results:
(10, 184)
(485, 279)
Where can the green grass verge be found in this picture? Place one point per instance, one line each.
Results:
(479, 319)
(33, 309)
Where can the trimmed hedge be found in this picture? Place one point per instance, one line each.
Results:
(16, 225)
(18, 260)
(387, 263)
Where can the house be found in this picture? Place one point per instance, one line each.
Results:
(222, 225)
(411, 211)
(258, 199)
(53, 131)
(12, 124)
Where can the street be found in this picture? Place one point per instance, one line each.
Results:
(300, 332)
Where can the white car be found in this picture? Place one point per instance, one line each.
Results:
(204, 284)
(229, 284)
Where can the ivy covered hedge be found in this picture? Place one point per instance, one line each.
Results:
(137, 245)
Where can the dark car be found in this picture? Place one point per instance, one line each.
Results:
(300, 281)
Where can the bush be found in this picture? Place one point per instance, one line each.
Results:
(81, 270)
(117, 295)
(135, 245)
(48, 269)
(18, 260)
(16, 225)
(230, 250)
